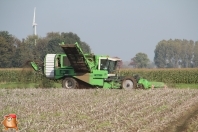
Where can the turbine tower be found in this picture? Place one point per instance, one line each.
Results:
(34, 22)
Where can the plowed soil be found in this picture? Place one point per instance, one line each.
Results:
(100, 110)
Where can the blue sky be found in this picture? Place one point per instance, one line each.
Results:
(120, 28)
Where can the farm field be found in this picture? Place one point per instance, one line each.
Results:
(100, 110)
(13, 85)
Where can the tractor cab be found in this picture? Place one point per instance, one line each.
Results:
(109, 64)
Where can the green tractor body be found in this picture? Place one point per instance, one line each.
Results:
(79, 70)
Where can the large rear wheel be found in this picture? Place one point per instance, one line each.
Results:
(129, 83)
(70, 83)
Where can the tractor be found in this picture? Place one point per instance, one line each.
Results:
(79, 70)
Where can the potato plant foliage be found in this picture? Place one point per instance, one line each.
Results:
(79, 110)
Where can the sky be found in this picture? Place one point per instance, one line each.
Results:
(119, 28)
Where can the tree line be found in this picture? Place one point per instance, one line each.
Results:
(168, 53)
(176, 54)
(16, 53)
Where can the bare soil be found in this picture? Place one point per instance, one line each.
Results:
(100, 110)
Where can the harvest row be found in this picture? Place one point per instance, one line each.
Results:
(184, 75)
(173, 75)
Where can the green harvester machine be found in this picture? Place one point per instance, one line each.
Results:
(79, 70)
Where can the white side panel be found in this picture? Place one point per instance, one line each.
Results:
(49, 65)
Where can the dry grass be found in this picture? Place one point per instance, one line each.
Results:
(61, 110)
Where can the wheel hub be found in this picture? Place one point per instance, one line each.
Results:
(128, 84)
(69, 84)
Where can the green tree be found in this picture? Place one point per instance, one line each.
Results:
(41, 48)
(141, 60)
(53, 46)
(5, 52)
(71, 38)
(16, 56)
(15, 53)
(187, 53)
(174, 53)
(29, 45)
(53, 35)
(195, 59)
(160, 57)
(85, 47)
(54, 38)
(7, 49)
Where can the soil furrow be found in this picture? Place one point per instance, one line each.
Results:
(181, 124)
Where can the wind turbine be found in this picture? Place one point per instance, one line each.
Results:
(34, 22)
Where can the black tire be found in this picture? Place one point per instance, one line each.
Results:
(129, 83)
(70, 83)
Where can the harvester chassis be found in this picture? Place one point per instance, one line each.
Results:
(127, 82)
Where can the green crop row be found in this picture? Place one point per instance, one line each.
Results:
(25, 76)
(174, 75)
(19, 75)
(183, 75)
